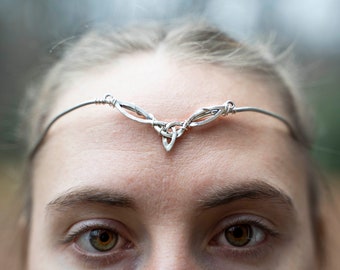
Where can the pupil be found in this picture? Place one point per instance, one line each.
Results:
(104, 237)
(237, 231)
(239, 235)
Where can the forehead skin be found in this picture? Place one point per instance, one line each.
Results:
(98, 147)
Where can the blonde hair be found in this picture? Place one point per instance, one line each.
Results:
(196, 42)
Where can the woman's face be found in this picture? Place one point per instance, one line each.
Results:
(230, 195)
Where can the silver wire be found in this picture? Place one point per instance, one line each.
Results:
(169, 131)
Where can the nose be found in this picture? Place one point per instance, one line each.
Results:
(171, 250)
(168, 260)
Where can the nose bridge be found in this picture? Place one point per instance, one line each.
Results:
(171, 248)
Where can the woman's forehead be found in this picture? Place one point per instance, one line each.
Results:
(100, 140)
(170, 89)
(100, 143)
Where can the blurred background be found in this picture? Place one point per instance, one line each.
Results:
(31, 29)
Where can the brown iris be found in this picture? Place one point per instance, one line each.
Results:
(103, 240)
(239, 235)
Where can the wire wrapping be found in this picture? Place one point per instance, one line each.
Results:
(169, 131)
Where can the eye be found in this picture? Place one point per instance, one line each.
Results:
(243, 234)
(103, 239)
(100, 239)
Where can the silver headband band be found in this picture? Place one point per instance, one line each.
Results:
(169, 131)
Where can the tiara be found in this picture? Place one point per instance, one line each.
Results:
(169, 131)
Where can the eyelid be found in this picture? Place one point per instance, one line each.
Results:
(83, 226)
(246, 218)
(104, 258)
(257, 221)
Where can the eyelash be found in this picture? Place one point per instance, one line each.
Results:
(251, 251)
(115, 254)
(98, 258)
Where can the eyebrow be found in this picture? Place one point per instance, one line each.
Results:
(254, 190)
(93, 196)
